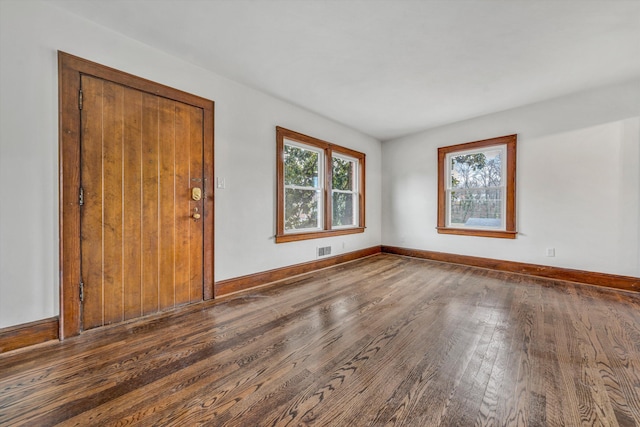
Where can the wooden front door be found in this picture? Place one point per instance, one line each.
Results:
(141, 215)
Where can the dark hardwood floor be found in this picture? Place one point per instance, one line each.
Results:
(385, 340)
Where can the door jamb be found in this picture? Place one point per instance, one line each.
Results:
(70, 68)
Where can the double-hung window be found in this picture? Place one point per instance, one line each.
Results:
(320, 189)
(303, 187)
(476, 188)
(344, 191)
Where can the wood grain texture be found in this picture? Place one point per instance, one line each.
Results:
(183, 228)
(91, 230)
(132, 208)
(140, 187)
(385, 340)
(208, 201)
(113, 132)
(197, 229)
(625, 283)
(68, 188)
(150, 209)
(129, 104)
(28, 334)
(296, 237)
(167, 202)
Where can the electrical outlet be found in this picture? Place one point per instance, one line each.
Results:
(551, 252)
(220, 183)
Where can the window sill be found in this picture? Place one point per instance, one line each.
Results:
(294, 237)
(500, 234)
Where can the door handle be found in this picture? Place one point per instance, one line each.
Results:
(196, 193)
(196, 215)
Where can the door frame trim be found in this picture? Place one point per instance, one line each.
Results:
(70, 68)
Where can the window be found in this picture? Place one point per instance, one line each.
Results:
(320, 188)
(476, 188)
(303, 185)
(344, 191)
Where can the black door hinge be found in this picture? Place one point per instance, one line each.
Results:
(80, 99)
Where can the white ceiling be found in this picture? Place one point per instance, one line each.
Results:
(392, 67)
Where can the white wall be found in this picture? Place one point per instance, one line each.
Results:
(578, 167)
(578, 183)
(30, 35)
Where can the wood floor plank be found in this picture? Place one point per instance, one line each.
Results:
(382, 341)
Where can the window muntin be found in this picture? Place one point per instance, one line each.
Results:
(344, 191)
(307, 192)
(477, 187)
(303, 183)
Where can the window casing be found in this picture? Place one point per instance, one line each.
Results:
(476, 188)
(320, 188)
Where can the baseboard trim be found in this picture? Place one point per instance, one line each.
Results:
(625, 283)
(225, 287)
(27, 334)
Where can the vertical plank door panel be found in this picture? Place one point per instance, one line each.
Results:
(182, 210)
(132, 188)
(208, 204)
(167, 203)
(91, 213)
(142, 249)
(149, 203)
(112, 154)
(135, 147)
(197, 180)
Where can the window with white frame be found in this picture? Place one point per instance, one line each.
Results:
(476, 188)
(303, 187)
(344, 191)
(320, 189)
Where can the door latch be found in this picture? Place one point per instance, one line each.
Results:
(196, 193)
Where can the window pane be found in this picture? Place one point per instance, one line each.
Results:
(476, 207)
(301, 209)
(343, 171)
(344, 209)
(301, 167)
(476, 170)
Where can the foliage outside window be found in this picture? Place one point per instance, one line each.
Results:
(344, 191)
(476, 188)
(303, 187)
(320, 188)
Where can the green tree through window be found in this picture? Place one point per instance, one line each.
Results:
(476, 188)
(320, 189)
(302, 187)
(343, 194)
